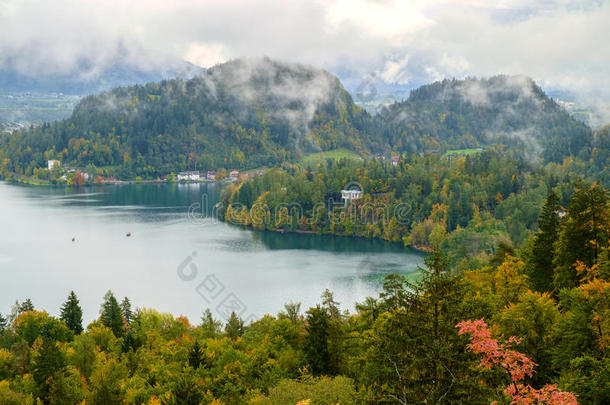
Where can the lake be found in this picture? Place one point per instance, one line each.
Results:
(172, 262)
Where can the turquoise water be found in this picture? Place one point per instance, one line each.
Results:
(171, 262)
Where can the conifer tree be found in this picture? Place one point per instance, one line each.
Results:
(111, 314)
(72, 314)
(48, 362)
(126, 310)
(3, 323)
(210, 326)
(541, 271)
(316, 343)
(413, 355)
(194, 359)
(234, 327)
(584, 235)
(26, 306)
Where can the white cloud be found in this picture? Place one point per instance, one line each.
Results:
(557, 42)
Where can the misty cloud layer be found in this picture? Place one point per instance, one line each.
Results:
(559, 43)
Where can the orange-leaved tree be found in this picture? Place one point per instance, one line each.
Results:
(517, 365)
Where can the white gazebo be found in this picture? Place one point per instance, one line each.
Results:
(349, 195)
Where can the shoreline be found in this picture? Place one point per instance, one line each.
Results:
(419, 249)
(46, 183)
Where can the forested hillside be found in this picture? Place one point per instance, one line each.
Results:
(470, 113)
(529, 326)
(240, 114)
(469, 205)
(249, 113)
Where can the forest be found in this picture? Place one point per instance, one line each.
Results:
(528, 325)
(467, 205)
(245, 114)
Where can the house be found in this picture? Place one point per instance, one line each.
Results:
(211, 175)
(52, 163)
(234, 175)
(260, 172)
(188, 176)
(395, 159)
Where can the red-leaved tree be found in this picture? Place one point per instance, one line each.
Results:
(517, 365)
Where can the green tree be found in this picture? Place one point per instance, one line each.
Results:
(186, 390)
(195, 356)
(3, 323)
(246, 194)
(50, 361)
(584, 235)
(541, 267)
(234, 327)
(209, 327)
(291, 311)
(126, 310)
(414, 353)
(72, 314)
(316, 348)
(111, 314)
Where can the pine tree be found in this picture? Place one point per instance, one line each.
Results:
(111, 314)
(26, 306)
(234, 327)
(584, 235)
(209, 326)
(3, 323)
(415, 354)
(126, 310)
(48, 362)
(541, 271)
(195, 358)
(316, 343)
(72, 314)
(334, 330)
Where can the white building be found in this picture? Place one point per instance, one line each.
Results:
(188, 176)
(52, 163)
(349, 195)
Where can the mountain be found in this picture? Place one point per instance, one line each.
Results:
(88, 77)
(241, 114)
(457, 114)
(249, 113)
(37, 96)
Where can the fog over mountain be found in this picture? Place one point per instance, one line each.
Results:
(560, 44)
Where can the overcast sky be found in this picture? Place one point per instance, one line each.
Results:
(560, 43)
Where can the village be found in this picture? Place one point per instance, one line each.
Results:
(78, 176)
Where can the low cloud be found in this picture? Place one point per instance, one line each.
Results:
(559, 43)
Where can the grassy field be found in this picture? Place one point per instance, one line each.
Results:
(315, 158)
(463, 151)
(35, 108)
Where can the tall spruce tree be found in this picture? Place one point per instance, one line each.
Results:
(72, 314)
(126, 310)
(234, 327)
(584, 235)
(26, 306)
(111, 314)
(195, 357)
(49, 361)
(541, 266)
(415, 354)
(316, 349)
(209, 326)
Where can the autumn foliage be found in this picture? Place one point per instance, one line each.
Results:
(517, 365)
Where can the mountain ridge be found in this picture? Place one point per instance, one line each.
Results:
(252, 112)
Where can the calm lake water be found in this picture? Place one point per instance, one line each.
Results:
(170, 262)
